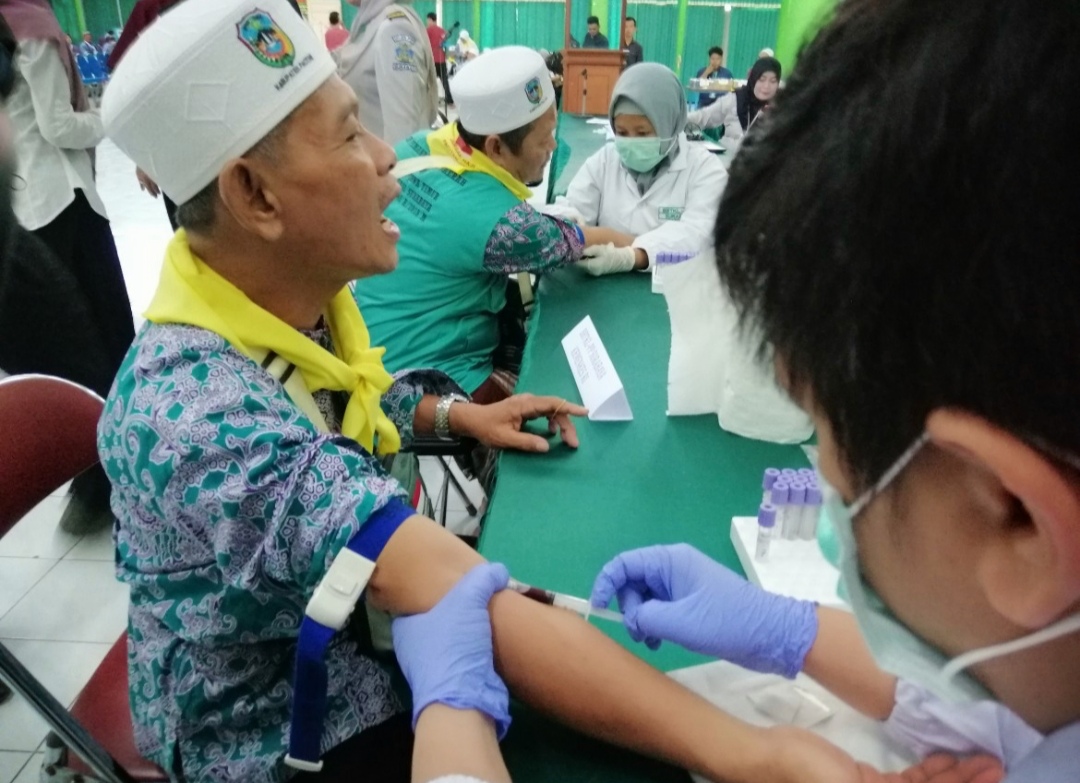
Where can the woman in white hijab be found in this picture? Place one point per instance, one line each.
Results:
(388, 63)
(650, 183)
(467, 46)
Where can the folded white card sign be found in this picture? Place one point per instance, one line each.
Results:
(601, 390)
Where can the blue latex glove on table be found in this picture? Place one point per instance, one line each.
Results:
(676, 593)
(446, 653)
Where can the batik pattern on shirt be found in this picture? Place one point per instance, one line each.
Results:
(231, 505)
(527, 240)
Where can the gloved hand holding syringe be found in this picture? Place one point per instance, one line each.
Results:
(579, 605)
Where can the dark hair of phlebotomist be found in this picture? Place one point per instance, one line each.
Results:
(898, 251)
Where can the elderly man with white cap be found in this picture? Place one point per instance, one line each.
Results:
(241, 432)
(466, 225)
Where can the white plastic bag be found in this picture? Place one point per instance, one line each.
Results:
(713, 368)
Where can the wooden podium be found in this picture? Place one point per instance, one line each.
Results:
(589, 77)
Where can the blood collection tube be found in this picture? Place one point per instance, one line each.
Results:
(780, 493)
(767, 481)
(790, 474)
(811, 511)
(793, 512)
(806, 474)
(766, 528)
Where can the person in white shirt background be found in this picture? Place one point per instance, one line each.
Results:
(650, 182)
(736, 112)
(55, 133)
(388, 63)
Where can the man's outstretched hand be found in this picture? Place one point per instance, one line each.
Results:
(499, 425)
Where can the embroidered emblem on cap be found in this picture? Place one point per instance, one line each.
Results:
(266, 40)
(534, 92)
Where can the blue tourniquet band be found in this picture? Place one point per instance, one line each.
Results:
(310, 680)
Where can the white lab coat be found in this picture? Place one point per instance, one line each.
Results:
(392, 72)
(677, 212)
(722, 113)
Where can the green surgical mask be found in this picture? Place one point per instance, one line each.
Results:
(642, 154)
(895, 647)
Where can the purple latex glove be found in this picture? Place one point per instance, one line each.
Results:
(446, 653)
(678, 594)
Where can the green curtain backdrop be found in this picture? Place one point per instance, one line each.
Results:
(69, 18)
(101, 15)
(704, 30)
(534, 23)
(460, 11)
(752, 29)
(657, 29)
(348, 11)
(755, 24)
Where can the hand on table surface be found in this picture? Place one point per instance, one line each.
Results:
(446, 653)
(678, 594)
(146, 184)
(607, 259)
(499, 425)
(943, 768)
(803, 757)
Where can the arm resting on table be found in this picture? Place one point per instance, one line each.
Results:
(560, 664)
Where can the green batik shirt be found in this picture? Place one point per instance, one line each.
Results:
(231, 505)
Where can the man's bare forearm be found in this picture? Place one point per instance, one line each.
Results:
(561, 665)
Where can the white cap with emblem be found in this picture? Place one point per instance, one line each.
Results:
(205, 83)
(502, 90)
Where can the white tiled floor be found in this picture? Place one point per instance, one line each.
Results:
(60, 605)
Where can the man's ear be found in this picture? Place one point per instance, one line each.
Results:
(248, 195)
(1029, 567)
(493, 147)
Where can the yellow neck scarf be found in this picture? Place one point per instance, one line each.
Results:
(190, 292)
(446, 141)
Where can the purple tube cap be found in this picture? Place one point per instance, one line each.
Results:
(813, 496)
(807, 472)
(780, 491)
(771, 476)
(789, 472)
(766, 515)
(797, 495)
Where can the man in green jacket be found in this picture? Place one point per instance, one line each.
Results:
(466, 225)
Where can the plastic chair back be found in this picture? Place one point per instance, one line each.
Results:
(48, 435)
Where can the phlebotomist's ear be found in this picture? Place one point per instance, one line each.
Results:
(249, 198)
(1029, 566)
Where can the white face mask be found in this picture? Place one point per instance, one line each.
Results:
(895, 647)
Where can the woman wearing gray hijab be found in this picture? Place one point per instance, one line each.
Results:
(650, 182)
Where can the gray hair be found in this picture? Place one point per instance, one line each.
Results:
(199, 213)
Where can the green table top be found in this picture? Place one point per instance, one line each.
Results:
(577, 141)
(556, 519)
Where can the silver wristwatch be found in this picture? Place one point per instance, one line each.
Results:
(442, 414)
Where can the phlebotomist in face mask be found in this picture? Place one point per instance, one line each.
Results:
(650, 183)
(947, 426)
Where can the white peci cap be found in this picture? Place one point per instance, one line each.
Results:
(502, 90)
(205, 83)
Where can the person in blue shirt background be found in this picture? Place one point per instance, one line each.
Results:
(714, 70)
